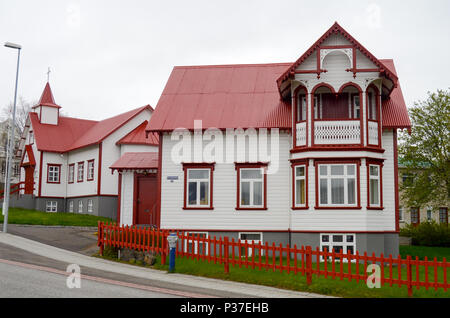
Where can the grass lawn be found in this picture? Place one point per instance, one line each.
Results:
(33, 217)
(428, 251)
(320, 285)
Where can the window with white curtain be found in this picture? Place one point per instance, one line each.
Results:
(374, 185)
(198, 186)
(337, 185)
(300, 185)
(251, 187)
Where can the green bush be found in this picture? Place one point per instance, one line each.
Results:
(428, 234)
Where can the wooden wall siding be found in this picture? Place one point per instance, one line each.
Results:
(127, 195)
(85, 187)
(137, 148)
(49, 115)
(335, 39)
(49, 189)
(111, 152)
(224, 214)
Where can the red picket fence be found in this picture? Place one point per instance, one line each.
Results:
(291, 259)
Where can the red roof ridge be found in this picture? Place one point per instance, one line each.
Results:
(231, 65)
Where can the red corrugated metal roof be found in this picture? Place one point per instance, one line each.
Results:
(58, 138)
(136, 160)
(104, 128)
(222, 96)
(74, 133)
(138, 137)
(47, 98)
(394, 110)
(241, 96)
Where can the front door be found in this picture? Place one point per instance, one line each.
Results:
(29, 179)
(146, 201)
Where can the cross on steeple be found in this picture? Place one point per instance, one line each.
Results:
(48, 75)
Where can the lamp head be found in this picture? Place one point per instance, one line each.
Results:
(13, 45)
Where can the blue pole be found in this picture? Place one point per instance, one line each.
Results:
(172, 239)
(172, 260)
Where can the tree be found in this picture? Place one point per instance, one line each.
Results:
(22, 109)
(425, 152)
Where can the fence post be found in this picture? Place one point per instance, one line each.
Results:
(225, 255)
(163, 247)
(308, 265)
(409, 275)
(100, 237)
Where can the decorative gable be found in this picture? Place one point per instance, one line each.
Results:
(28, 157)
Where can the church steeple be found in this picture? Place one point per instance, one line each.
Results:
(47, 109)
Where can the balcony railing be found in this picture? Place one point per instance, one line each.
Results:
(340, 132)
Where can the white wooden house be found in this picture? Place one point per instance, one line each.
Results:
(66, 161)
(329, 178)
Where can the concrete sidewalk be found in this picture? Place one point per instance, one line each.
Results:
(146, 273)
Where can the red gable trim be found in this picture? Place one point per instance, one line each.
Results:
(336, 28)
(138, 136)
(30, 154)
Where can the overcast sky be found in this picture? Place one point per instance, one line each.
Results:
(107, 57)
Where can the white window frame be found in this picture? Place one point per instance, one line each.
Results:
(195, 242)
(71, 174)
(296, 178)
(377, 177)
(198, 182)
(251, 190)
(429, 213)
(90, 205)
(345, 177)
(90, 170)
(80, 176)
(400, 214)
(249, 252)
(51, 206)
(331, 244)
(80, 206)
(71, 206)
(54, 173)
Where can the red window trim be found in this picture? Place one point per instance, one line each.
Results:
(294, 164)
(78, 176)
(59, 174)
(378, 162)
(358, 182)
(68, 174)
(250, 165)
(93, 170)
(210, 166)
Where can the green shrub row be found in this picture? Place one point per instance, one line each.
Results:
(428, 234)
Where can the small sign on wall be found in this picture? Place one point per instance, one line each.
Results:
(172, 178)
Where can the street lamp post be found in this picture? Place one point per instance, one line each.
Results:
(11, 143)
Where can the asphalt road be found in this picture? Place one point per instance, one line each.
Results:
(21, 281)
